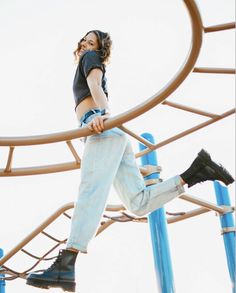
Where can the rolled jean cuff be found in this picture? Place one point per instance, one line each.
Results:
(76, 246)
(178, 183)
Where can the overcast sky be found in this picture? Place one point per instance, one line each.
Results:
(151, 40)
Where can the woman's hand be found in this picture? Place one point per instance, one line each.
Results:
(97, 124)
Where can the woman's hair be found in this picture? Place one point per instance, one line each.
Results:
(104, 44)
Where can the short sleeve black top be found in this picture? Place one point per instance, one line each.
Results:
(88, 61)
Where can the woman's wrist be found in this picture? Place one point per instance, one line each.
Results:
(106, 116)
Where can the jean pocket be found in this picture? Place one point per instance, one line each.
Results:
(114, 132)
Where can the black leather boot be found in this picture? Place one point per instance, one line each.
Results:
(60, 274)
(203, 169)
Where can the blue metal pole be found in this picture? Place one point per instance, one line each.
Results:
(227, 221)
(2, 282)
(159, 236)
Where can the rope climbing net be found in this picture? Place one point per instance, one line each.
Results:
(113, 214)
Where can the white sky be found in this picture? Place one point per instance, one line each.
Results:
(151, 40)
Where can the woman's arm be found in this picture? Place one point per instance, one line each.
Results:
(94, 81)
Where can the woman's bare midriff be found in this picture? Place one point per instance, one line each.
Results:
(83, 107)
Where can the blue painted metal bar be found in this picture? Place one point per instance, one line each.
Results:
(159, 235)
(2, 282)
(227, 221)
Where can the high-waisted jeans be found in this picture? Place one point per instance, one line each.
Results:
(108, 158)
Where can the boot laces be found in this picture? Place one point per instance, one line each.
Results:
(54, 264)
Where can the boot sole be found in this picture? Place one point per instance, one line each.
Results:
(223, 174)
(43, 284)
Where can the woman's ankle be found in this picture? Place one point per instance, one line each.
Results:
(72, 249)
(182, 182)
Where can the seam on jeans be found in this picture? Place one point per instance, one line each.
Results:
(180, 189)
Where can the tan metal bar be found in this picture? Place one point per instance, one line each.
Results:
(126, 217)
(186, 132)
(40, 169)
(190, 109)
(53, 169)
(187, 215)
(227, 209)
(74, 153)
(160, 96)
(139, 138)
(104, 226)
(202, 203)
(214, 70)
(9, 160)
(73, 166)
(115, 208)
(219, 27)
(149, 169)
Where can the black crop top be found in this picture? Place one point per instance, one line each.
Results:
(88, 61)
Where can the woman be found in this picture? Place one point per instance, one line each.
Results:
(108, 158)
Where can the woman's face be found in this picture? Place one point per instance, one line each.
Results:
(89, 43)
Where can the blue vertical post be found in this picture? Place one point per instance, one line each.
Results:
(227, 221)
(2, 282)
(158, 230)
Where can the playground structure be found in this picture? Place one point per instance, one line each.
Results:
(149, 171)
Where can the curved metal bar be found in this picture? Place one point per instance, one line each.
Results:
(73, 165)
(197, 31)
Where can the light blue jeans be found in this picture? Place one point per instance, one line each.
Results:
(108, 158)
